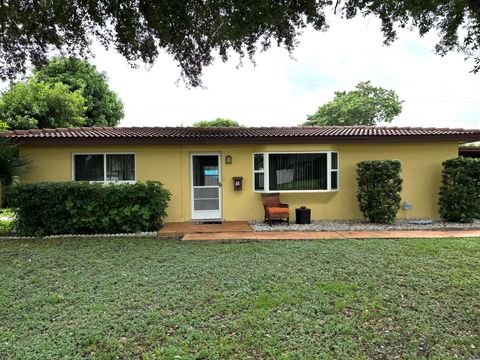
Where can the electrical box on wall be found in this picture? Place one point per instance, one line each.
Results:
(237, 183)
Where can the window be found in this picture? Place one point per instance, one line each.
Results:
(300, 172)
(258, 172)
(334, 171)
(104, 167)
(89, 167)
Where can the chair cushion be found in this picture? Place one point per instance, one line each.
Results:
(277, 211)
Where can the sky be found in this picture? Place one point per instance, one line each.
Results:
(283, 89)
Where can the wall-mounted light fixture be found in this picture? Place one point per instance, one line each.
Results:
(228, 159)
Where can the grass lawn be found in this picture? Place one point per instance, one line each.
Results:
(147, 298)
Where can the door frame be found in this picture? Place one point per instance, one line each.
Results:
(219, 156)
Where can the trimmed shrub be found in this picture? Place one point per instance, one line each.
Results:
(460, 190)
(379, 186)
(53, 208)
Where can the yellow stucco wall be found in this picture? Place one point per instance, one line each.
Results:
(171, 165)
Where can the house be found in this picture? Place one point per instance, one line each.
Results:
(311, 166)
(472, 151)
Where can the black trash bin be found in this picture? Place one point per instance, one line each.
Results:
(302, 215)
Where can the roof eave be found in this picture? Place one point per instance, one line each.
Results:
(460, 138)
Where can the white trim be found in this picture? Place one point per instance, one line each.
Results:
(105, 166)
(329, 170)
(266, 165)
(337, 170)
(206, 214)
(258, 171)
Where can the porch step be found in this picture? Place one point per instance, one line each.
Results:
(179, 229)
(209, 221)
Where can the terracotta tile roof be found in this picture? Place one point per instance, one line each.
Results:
(170, 135)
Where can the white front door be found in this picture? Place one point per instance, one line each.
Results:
(206, 186)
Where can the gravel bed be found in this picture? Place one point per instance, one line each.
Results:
(362, 225)
(139, 234)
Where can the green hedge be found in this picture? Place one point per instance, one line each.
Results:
(379, 186)
(83, 208)
(460, 190)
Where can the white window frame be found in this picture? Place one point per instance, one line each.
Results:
(105, 181)
(330, 170)
(259, 171)
(266, 170)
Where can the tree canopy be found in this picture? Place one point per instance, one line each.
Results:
(367, 105)
(31, 104)
(194, 32)
(102, 105)
(64, 93)
(218, 122)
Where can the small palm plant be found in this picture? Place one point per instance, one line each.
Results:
(12, 165)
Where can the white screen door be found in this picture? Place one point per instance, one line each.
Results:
(206, 187)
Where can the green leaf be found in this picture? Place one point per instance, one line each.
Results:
(84, 208)
(367, 105)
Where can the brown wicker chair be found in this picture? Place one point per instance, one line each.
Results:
(274, 209)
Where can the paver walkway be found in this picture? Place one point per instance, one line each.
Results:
(323, 235)
(240, 230)
(178, 229)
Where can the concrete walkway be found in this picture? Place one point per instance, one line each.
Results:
(324, 235)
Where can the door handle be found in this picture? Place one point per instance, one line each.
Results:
(220, 184)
